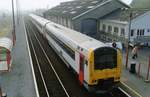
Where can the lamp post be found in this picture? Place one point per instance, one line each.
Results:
(127, 51)
(17, 11)
(14, 29)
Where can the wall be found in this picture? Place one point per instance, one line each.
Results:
(114, 24)
(137, 24)
(112, 34)
(141, 23)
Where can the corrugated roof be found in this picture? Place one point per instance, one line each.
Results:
(124, 14)
(74, 8)
(6, 43)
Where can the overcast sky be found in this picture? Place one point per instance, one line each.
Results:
(34, 4)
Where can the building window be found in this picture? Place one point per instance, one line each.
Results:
(64, 21)
(104, 27)
(148, 30)
(142, 32)
(116, 29)
(132, 32)
(69, 23)
(109, 28)
(122, 32)
(138, 32)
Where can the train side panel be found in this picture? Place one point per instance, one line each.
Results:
(61, 52)
(81, 69)
(64, 56)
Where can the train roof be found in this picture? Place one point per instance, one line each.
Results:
(41, 20)
(78, 38)
(73, 37)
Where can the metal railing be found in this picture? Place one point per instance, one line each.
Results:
(114, 36)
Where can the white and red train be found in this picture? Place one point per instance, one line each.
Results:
(97, 65)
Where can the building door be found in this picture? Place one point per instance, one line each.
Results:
(89, 27)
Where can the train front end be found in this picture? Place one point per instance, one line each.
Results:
(104, 68)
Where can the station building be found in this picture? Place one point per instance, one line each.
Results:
(115, 26)
(107, 20)
(83, 15)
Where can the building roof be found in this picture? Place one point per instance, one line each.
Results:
(125, 14)
(74, 8)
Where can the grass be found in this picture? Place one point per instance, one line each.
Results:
(5, 26)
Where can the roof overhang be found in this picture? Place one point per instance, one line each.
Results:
(91, 9)
(126, 5)
(116, 21)
(100, 6)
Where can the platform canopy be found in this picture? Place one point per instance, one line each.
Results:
(6, 43)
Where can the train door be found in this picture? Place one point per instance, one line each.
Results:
(81, 69)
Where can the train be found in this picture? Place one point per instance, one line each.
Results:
(97, 65)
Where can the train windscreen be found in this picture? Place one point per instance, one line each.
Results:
(105, 58)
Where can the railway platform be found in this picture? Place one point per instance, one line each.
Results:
(136, 82)
(18, 82)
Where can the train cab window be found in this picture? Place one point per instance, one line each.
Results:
(105, 58)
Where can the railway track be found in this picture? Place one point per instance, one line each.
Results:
(119, 92)
(47, 64)
(49, 83)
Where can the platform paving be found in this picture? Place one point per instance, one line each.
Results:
(19, 81)
(137, 83)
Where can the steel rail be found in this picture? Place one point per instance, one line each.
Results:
(41, 74)
(50, 63)
(31, 62)
(124, 92)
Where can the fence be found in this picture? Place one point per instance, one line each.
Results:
(142, 70)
